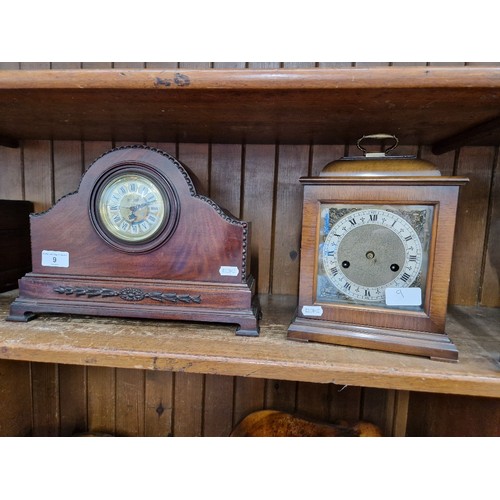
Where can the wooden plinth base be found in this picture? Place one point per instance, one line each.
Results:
(234, 304)
(433, 345)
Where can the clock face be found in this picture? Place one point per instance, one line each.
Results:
(133, 210)
(374, 254)
(132, 207)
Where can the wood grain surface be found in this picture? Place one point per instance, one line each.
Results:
(214, 349)
(293, 104)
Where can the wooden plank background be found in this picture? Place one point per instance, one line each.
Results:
(258, 183)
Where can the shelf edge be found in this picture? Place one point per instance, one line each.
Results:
(252, 79)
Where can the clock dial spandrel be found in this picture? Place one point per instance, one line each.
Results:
(365, 249)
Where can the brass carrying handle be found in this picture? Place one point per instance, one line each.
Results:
(379, 137)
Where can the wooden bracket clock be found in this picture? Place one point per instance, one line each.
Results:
(137, 240)
(377, 242)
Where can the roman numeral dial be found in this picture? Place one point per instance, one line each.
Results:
(368, 250)
(133, 207)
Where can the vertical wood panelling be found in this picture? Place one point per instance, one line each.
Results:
(249, 396)
(15, 398)
(293, 164)
(335, 64)
(129, 65)
(129, 402)
(65, 65)
(195, 65)
(281, 395)
(229, 65)
(34, 65)
(101, 399)
(73, 399)
(312, 400)
(490, 290)
(441, 415)
(345, 403)
(196, 158)
(11, 168)
(167, 147)
(68, 166)
(402, 63)
(10, 65)
(218, 406)
(158, 403)
(321, 155)
(162, 65)
(96, 65)
(92, 150)
(45, 387)
(446, 63)
(225, 176)
(376, 403)
(398, 419)
(188, 404)
(476, 163)
(405, 150)
(38, 177)
(445, 163)
(264, 65)
(299, 65)
(372, 64)
(258, 210)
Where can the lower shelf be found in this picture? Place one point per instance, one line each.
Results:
(215, 349)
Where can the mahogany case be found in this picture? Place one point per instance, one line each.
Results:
(184, 278)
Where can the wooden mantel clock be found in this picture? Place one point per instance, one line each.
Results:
(377, 242)
(137, 240)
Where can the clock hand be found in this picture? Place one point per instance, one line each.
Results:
(142, 205)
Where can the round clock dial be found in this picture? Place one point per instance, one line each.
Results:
(132, 207)
(369, 250)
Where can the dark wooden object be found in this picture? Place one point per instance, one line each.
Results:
(420, 333)
(180, 279)
(15, 256)
(289, 106)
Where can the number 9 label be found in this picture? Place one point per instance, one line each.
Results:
(52, 258)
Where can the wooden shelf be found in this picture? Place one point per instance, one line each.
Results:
(215, 349)
(442, 106)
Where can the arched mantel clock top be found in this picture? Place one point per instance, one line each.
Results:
(138, 239)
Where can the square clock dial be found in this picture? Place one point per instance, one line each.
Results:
(374, 254)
